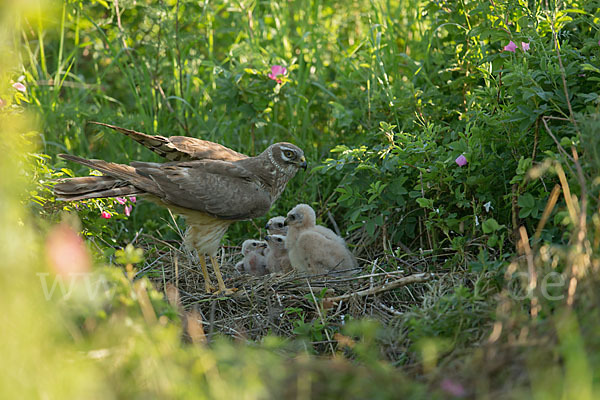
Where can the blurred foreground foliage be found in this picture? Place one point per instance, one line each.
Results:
(383, 97)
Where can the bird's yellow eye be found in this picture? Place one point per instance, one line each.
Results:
(288, 153)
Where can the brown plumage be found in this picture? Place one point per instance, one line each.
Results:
(255, 261)
(277, 255)
(210, 193)
(179, 148)
(276, 226)
(313, 248)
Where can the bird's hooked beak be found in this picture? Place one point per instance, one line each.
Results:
(267, 226)
(268, 238)
(303, 164)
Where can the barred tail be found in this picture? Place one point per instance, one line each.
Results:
(92, 187)
(158, 144)
(121, 180)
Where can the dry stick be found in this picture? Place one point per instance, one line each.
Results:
(514, 210)
(547, 211)
(321, 318)
(583, 210)
(532, 272)
(194, 327)
(567, 192)
(535, 138)
(144, 302)
(407, 280)
(335, 225)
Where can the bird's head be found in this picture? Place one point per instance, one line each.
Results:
(286, 157)
(275, 241)
(251, 245)
(301, 216)
(276, 225)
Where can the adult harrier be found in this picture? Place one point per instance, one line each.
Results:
(207, 183)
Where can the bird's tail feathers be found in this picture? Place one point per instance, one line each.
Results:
(116, 170)
(158, 144)
(121, 180)
(92, 187)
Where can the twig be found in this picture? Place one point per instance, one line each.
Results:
(407, 280)
(560, 148)
(118, 12)
(335, 225)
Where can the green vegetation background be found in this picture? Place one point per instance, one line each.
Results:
(383, 96)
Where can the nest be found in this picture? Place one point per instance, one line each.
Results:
(279, 304)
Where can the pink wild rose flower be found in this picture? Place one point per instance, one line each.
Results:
(511, 46)
(20, 87)
(121, 200)
(276, 72)
(461, 160)
(132, 199)
(525, 46)
(105, 215)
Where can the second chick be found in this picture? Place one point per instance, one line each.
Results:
(255, 260)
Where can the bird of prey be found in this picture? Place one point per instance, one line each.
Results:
(207, 183)
(313, 248)
(276, 226)
(277, 255)
(255, 261)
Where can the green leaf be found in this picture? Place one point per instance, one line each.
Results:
(526, 201)
(490, 225)
(425, 203)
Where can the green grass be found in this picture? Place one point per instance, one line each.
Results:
(383, 96)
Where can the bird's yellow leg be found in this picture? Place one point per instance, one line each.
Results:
(222, 288)
(207, 283)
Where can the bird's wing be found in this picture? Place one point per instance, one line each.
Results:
(179, 148)
(219, 188)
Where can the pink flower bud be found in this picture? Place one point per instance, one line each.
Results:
(105, 215)
(461, 160)
(20, 87)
